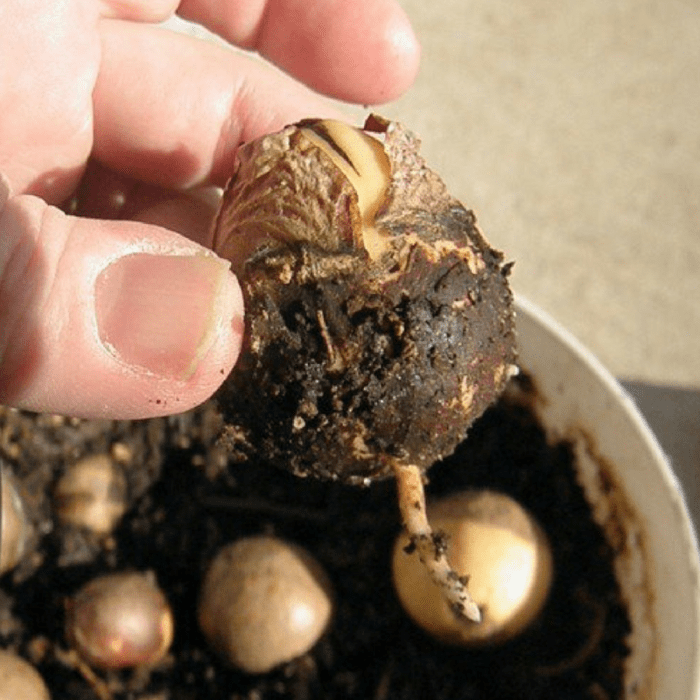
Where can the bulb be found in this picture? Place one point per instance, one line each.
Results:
(506, 556)
(19, 680)
(15, 530)
(92, 494)
(263, 602)
(379, 320)
(119, 621)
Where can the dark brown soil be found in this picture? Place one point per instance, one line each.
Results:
(186, 503)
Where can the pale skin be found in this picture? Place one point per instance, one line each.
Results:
(141, 123)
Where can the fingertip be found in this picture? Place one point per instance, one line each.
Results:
(400, 59)
(139, 11)
(175, 318)
(106, 319)
(359, 52)
(209, 367)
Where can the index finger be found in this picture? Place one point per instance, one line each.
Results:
(170, 109)
(361, 51)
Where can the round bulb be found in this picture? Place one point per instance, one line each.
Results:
(504, 552)
(120, 620)
(19, 680)
(263, 602)
(91, 494)
(14, 525)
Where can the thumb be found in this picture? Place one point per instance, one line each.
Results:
(110, 319)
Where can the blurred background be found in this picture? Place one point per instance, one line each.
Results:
(572, 129)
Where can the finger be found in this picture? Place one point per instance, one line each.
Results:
(110, 319)
(171, 109)
(138, 10)
(191, 214)
(4, 190)
(49, 56)
(356, 50)
(106, 194)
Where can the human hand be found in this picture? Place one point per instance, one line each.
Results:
(113, 313)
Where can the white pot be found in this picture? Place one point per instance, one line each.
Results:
(636, 499)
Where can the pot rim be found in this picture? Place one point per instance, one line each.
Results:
(634, 493)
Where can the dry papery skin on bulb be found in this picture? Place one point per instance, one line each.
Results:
(379, 320)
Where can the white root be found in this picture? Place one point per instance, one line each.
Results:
(429, 545)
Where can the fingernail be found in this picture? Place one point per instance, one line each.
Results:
(162, 313)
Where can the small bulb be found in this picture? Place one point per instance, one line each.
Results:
(263, 602)
(506, 556)
(92, 494)
(19, 680)
(119, 621)
(15, 530)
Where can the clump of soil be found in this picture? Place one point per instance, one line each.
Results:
(185, 502)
